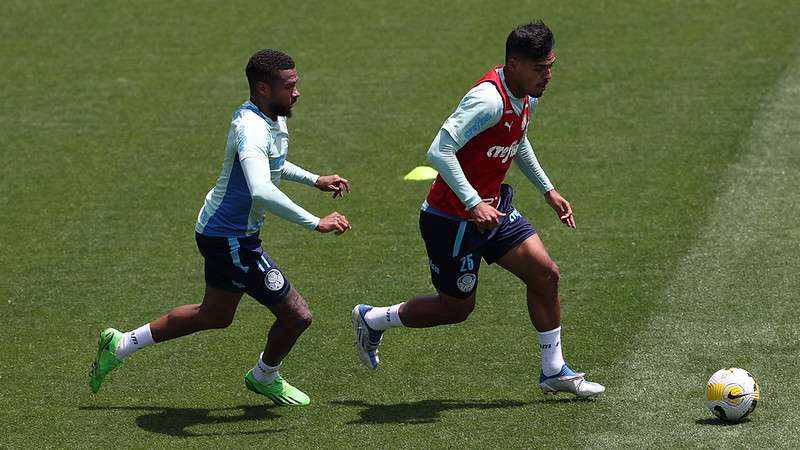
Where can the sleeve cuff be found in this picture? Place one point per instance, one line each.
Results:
(313, 223)
(472, 201)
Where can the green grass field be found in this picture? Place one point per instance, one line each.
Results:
(671, 126)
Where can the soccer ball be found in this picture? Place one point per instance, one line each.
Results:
(732, 394)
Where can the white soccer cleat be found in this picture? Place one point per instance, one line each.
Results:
(568, 381)
(367, 339)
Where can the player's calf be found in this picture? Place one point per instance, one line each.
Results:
(440, 309)
(293, 317)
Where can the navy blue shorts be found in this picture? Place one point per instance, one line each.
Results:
(455, 247)
(241, 265)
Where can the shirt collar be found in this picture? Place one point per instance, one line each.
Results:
(252, 107)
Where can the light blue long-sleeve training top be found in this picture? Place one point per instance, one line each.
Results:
(247, 187)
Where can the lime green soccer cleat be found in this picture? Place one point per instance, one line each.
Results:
(106, 359)
(279, 391)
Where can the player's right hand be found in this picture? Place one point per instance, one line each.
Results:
(333, 222)
(485, 216)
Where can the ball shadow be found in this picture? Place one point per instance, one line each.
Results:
(715, 421)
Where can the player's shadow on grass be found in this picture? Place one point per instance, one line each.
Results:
(424, 411)
(176, 421)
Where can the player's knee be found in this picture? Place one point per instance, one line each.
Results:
(301, 320)
(553, 274)
(545, 277)
(460, 315)
(298, 314)
(297, 319)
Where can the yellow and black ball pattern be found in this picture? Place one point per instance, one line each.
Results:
(732, 394)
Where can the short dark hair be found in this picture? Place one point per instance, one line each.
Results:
(533, 40)
(264, 66)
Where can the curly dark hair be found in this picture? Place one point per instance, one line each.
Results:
(264, 66)
(533, 40)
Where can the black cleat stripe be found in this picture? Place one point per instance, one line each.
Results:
(278, 400)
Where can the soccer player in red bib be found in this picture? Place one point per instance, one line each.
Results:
(468, 214)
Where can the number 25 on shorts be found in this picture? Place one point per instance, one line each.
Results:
(466, 263)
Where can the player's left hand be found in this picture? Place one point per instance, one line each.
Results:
(561, 206)
(333, 183)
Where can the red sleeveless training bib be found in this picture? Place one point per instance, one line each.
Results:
(486, 157)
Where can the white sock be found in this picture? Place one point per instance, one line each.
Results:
(550, 346)
(264, 373)
(134, 340)
(383, 318)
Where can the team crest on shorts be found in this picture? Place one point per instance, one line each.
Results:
(274, 280)
(466, 282)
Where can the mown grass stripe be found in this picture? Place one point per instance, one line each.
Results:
(730, 303)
